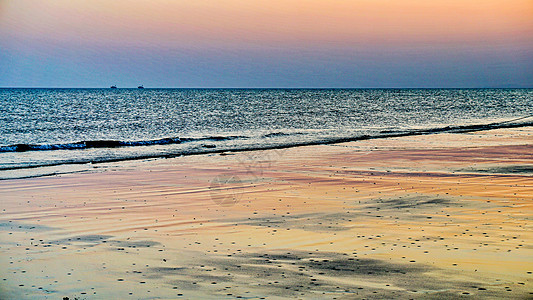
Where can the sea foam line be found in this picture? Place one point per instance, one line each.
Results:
(200, 151)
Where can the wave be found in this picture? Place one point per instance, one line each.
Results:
(110, 144)
(213, 149)
(281, 133)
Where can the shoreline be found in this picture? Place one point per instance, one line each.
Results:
(423, 216)
(176, 140)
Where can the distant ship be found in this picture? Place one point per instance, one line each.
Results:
(140, 87)
(113, 87)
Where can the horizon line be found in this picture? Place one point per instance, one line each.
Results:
(340, 88)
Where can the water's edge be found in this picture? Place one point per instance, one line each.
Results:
(382, 135)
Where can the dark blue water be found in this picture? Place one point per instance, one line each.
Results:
(60, 127)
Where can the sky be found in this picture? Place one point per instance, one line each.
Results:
(266, 43)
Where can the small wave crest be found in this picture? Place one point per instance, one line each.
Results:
(110, 144)
(281, 133)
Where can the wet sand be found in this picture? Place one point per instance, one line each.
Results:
(436, 216)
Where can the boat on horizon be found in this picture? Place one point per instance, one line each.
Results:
(140, 87)
(113, 87)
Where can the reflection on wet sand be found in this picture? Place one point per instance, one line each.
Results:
(443, 216)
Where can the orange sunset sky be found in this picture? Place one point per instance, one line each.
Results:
(233, 43)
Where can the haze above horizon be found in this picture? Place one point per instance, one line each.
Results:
(274, 43)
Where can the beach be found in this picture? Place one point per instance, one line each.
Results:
(266, 149)
(431, 216)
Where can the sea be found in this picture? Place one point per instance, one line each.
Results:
(55, 131)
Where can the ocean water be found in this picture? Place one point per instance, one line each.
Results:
(50, 131)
